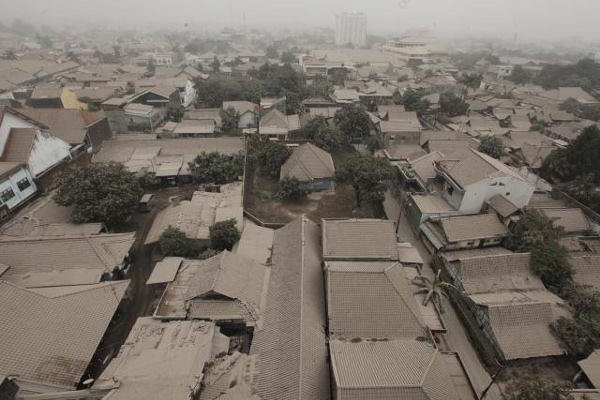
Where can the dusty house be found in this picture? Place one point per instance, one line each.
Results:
(160, 97)
(161, 360)
(463, 232)
(312, 166)
(571, 220)
(55, 97)
(509, 301)
(277, 125)
(470, 178)
(246, 110)
(16, 186)
(226, 288)
(49, 335)
(124, 116)
(289, 344)
(81, 129)
(194, 217)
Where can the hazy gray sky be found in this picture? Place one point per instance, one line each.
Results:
(535, 19)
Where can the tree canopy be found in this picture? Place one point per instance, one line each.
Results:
(354, 122)
(271, 157)
(217, 168)
(367, 175)
(585, 111)
(538, 389)
(174, 243)
(289, 188)
(224, 234)
(230, 119)
(492, 146)
(412, 100)
(325, 137)
(99, 193)
(452, 106)
(520, 75)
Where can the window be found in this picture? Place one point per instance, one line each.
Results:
(450, 190)
(23, 184)
(6, 195)
(507, 194)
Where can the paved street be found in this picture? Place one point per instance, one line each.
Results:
(456, 339)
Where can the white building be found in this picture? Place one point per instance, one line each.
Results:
(351, 29)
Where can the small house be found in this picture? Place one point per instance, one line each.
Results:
(312, 166)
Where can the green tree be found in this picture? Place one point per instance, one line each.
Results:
(174, 113)
(521, 76)
(452, 106)
(151, 66)
(367, 175)
(271, 157)
(272, 52)
(338, 77)
(215, 65)
(174, 243)
(230, 119)
(412, 100)
(99, 193)
(208, 253)
(471, 80)
(538, 389)
(353, 121)
(217, 168)
(290, 189)
(492, 146)
(539, 125)
(434, 289)
(224, 234)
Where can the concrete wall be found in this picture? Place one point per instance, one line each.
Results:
(246, 120)
(47, 152)
(98, 133)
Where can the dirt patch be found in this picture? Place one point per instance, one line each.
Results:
(559, 369)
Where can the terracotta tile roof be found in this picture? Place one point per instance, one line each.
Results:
(472, 227)
(68, 125)
(390, 370)
(503, 206)
(290, 346)
(307, 163)
(52, 339)
(359, 239)
(471, 166)
(26, 255)
(371, 300)
(570, 219)
(19, 145)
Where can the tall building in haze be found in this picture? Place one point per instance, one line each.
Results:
(351, 28)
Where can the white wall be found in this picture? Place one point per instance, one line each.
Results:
(11, 121)
(247, 119)
(46, 153)
(515, 189)
(189, 96)
(11, 182)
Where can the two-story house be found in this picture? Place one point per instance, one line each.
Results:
(468, 179)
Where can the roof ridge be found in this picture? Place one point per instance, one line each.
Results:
(413, 312)
(303, 247)
(426, 372)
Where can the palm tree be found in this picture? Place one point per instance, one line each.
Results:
(433, 289)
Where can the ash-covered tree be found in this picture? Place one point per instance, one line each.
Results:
(174, 243)
(538, 389)
(215, 65)
(230, 119)
(353, 121)
(325, 137)
(174, 113)
(535, 233)
(452, 105)
(224, 234)
(521, 76)
(492, 146)
(217, 168)
(271, 157)
(290, 189)
(287, 57)
(412, 100)
(367, 175)
(99, 193)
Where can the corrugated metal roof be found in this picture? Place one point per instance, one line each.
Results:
(503, 206)
(570, 219)
(472, 227)
(308, 162)
(165, 271)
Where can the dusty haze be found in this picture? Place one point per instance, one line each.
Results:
(527, 19)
